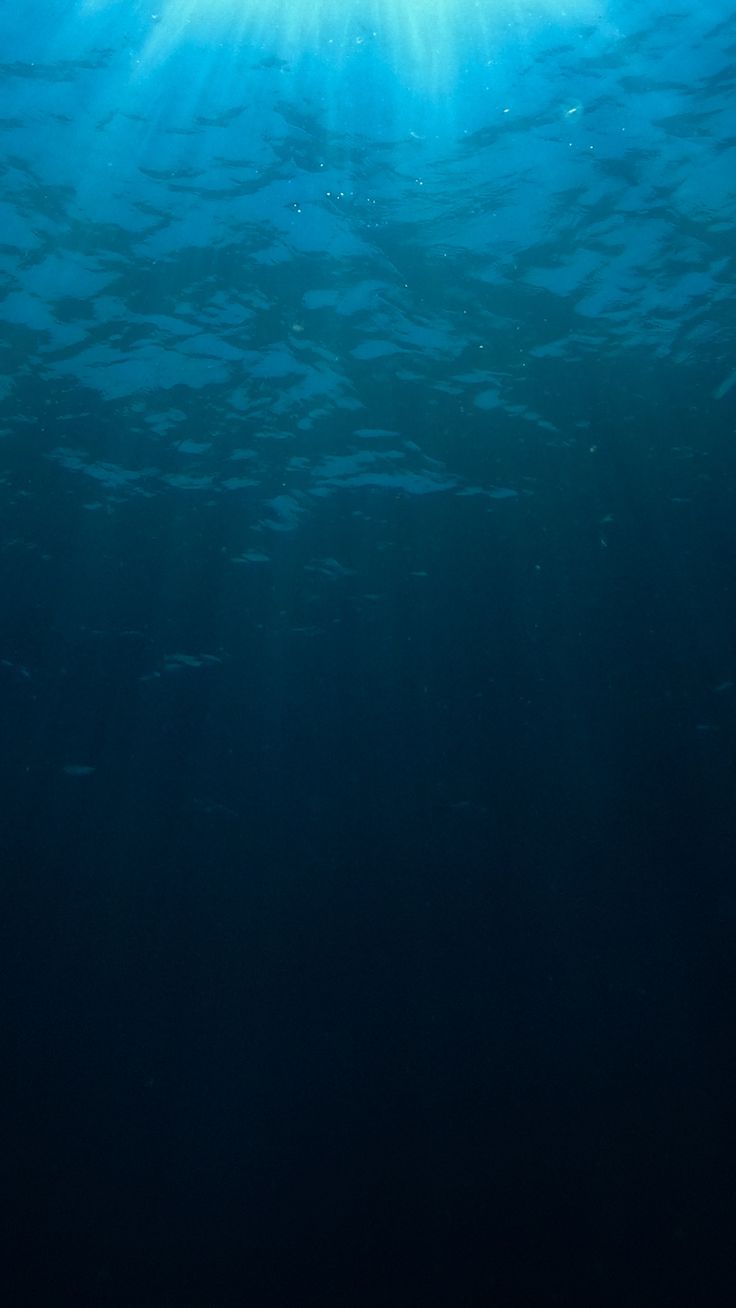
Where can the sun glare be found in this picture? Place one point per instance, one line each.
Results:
(424, 40)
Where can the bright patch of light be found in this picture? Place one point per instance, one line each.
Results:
(424, 41)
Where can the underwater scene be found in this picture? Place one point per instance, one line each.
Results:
(368, 652)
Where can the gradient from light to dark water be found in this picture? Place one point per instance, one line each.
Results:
(367, 657)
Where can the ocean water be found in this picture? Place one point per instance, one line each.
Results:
(368, 652)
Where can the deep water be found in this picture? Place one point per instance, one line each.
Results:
(368, 654)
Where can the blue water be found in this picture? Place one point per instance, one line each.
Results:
(367, 653)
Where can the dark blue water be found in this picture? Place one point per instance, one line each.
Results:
(368, 653)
